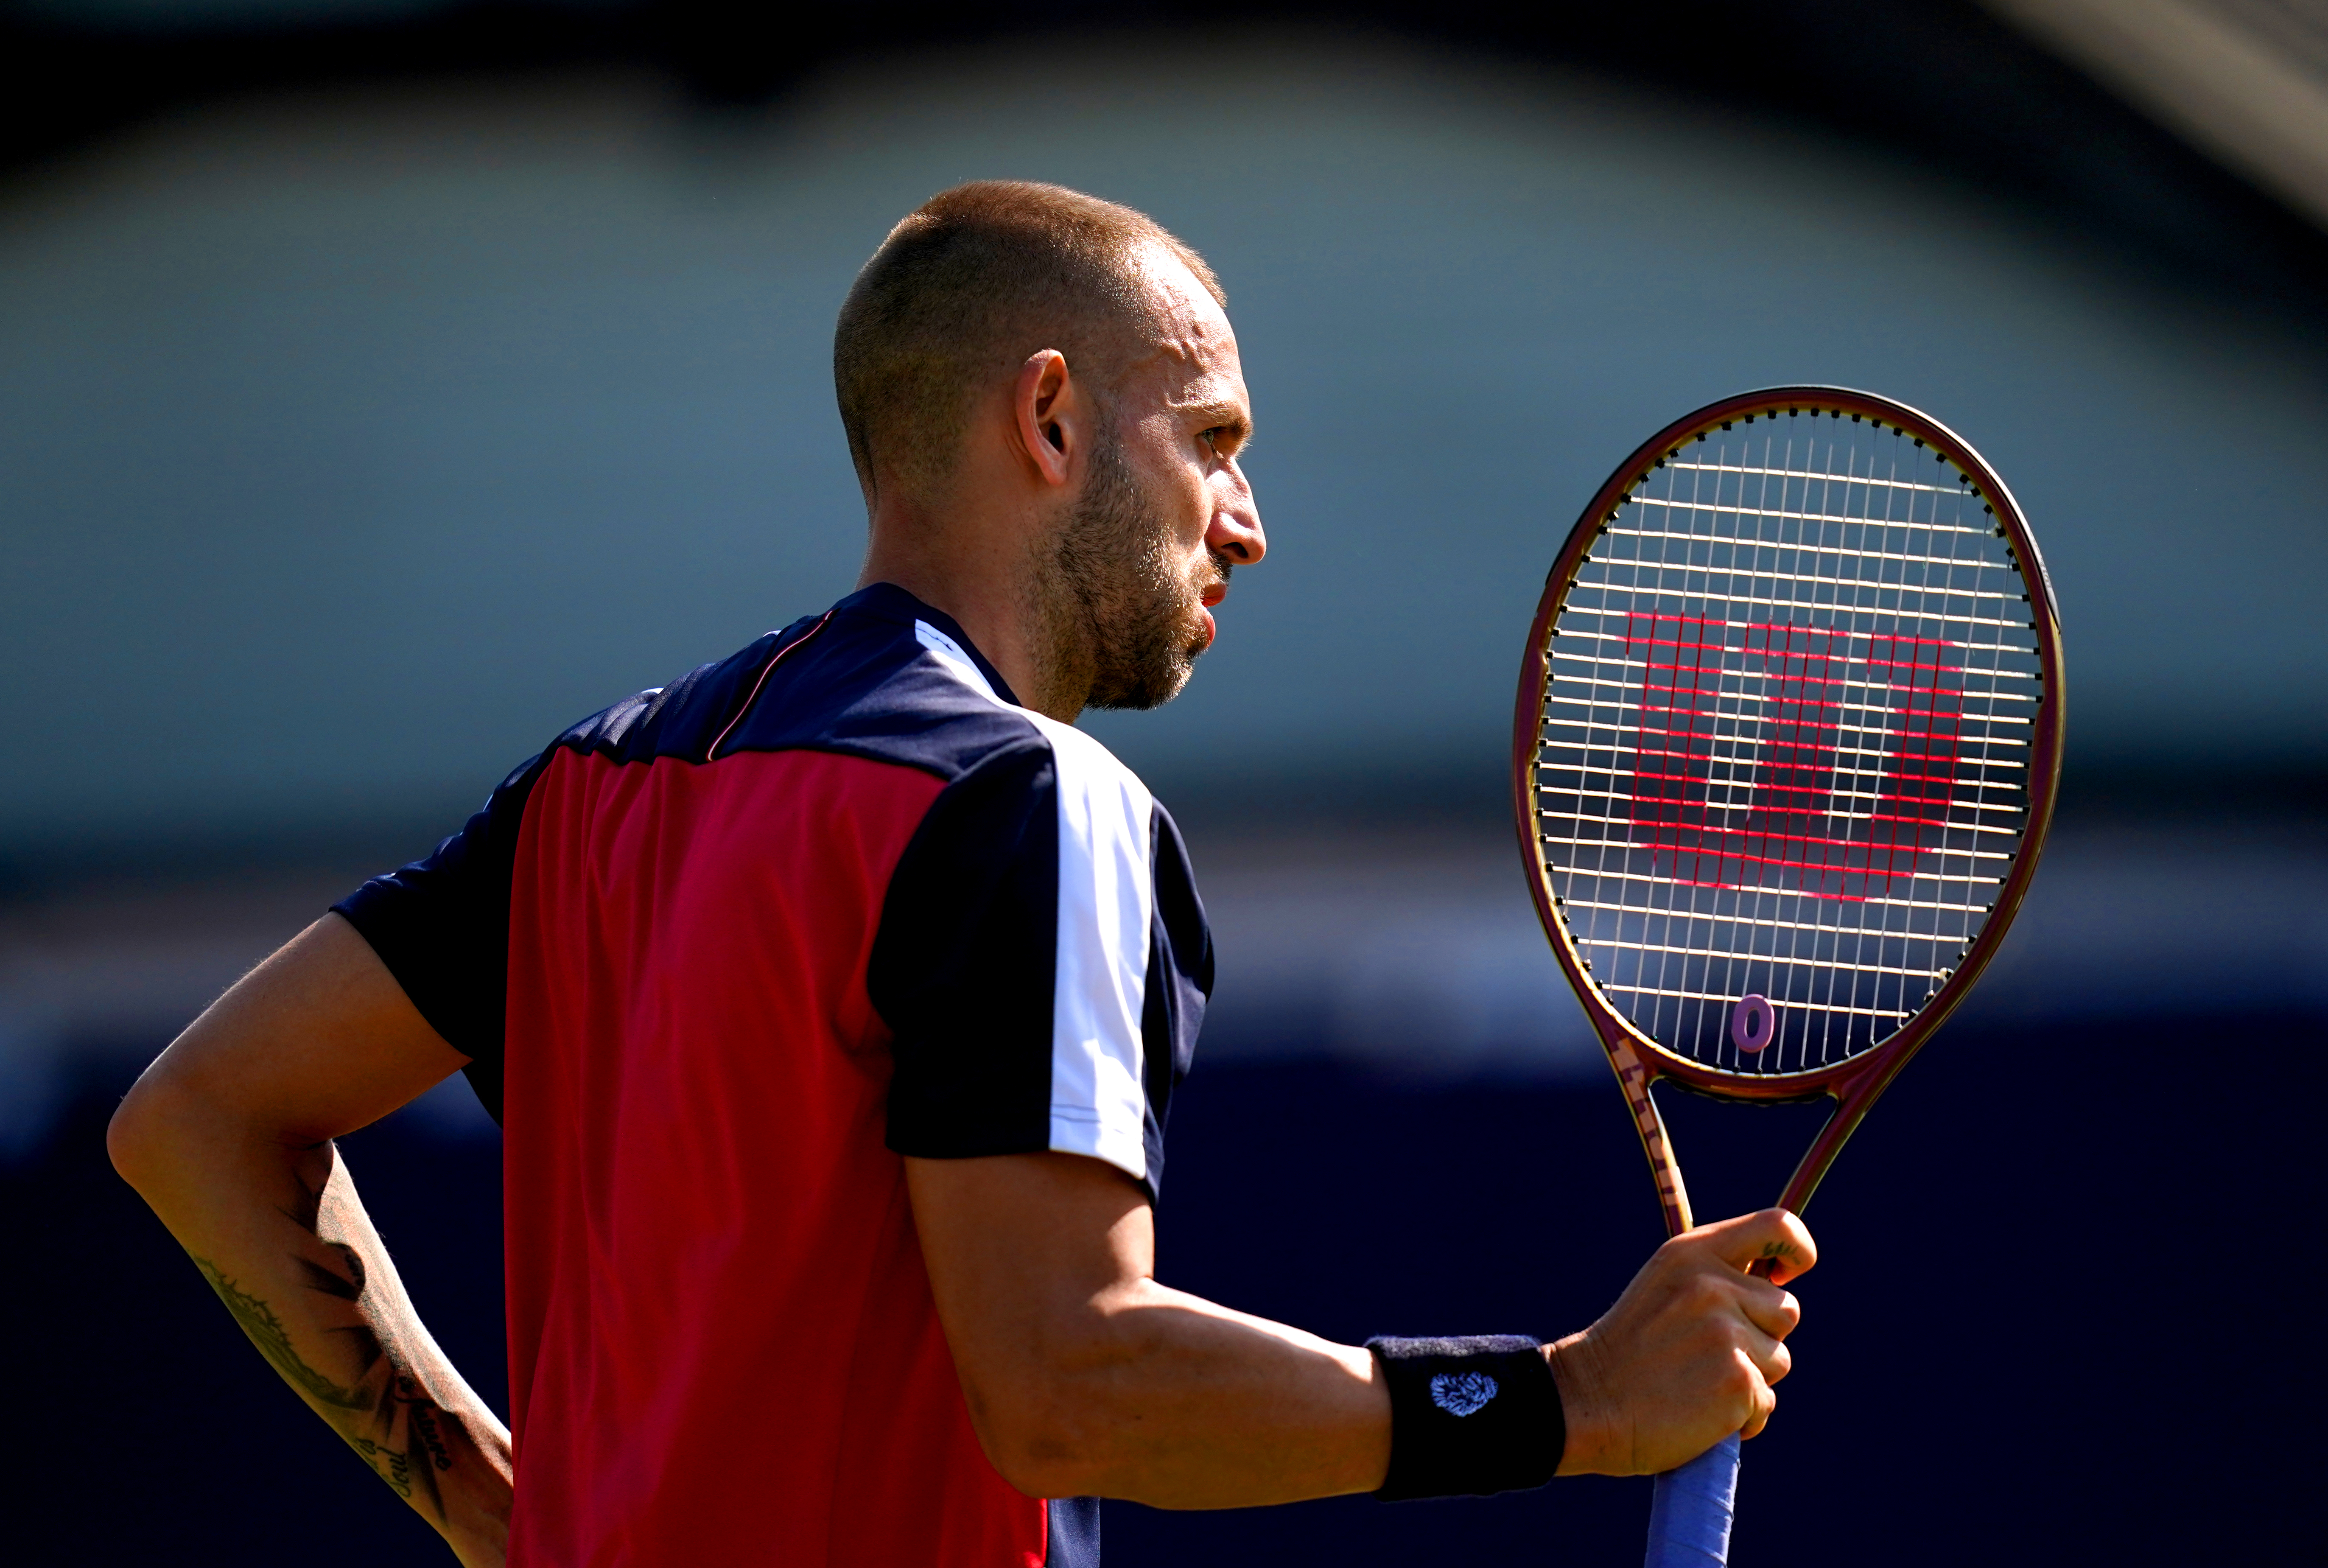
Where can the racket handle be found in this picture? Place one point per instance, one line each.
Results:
(1689, 1517)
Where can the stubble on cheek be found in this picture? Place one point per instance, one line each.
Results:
(1123, 620)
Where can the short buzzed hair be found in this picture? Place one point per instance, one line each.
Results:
(963, 291)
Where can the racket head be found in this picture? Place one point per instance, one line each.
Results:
(1788, 733)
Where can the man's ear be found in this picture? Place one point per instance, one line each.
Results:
(1051, 416)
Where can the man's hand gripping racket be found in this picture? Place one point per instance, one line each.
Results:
(1787, 741)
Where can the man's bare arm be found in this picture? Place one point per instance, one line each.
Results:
(229, 1134)
(1085, 1377)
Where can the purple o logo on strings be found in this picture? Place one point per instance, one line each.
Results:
(1753, 1024)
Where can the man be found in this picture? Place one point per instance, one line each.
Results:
(832, 999)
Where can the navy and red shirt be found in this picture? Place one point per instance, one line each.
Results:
(721, 956)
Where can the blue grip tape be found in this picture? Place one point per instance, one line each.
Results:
(1689, 1517)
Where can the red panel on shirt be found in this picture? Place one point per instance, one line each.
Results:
(722, 1343)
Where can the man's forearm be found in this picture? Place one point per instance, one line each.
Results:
(1085, 1375)
(282, 1237)
(1168, 1399)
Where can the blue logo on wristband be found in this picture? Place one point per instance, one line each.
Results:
(1462, 1393)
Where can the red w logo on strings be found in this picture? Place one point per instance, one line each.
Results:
(1825, 765)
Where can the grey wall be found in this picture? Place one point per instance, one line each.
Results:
(350, 447)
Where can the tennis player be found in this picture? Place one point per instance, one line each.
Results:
(832, 999)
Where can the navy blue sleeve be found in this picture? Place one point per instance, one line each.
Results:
(1043, 969)
(1179, 982)
(441, 925)
(962, 968)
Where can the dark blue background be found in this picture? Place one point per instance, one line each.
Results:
(2061, 1314)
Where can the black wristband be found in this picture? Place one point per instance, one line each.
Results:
(1470, 1416)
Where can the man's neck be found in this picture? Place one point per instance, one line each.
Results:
(983, 584)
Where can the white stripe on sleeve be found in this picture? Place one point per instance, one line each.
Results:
(1107, 898)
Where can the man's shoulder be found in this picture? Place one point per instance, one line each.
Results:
(1087, 771)
(879, 676)
(868, 677)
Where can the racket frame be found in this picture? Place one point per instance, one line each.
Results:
(1637, 1060)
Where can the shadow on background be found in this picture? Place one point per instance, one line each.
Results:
(2054, 1320)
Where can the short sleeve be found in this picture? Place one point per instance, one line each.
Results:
(441, 925)
(1033, 996)
(961, 965)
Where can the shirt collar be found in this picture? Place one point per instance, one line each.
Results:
(888, 602)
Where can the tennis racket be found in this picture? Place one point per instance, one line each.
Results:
(1787, 741)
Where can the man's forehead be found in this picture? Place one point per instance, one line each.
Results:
(1186, 316)
(1194, 349)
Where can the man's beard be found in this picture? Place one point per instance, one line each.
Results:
(1113, 606)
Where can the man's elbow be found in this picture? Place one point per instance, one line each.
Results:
(147, 1135)
(1061, 1427)
(133, 1138)
(1034, 1445)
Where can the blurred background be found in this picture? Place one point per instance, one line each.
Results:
(385, 384)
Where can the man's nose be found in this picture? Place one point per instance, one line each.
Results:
(1236, 533)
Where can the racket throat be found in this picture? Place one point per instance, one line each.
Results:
(1634, 1077)
(1850, 1106)
(1638, 1080)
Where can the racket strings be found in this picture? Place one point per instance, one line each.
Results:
(1786, 740)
